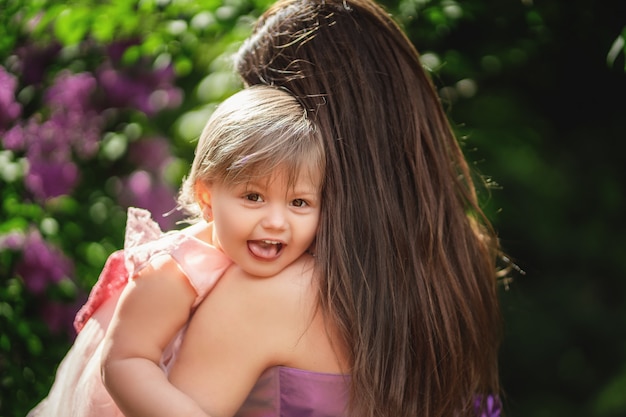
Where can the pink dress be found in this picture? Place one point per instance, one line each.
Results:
(78, 390)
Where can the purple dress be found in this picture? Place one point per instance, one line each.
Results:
(290, 392)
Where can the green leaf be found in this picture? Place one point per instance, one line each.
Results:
(618, 47)
(14, 224)
(72, 25)
(183, 66)
(611, 401)
(103, 29)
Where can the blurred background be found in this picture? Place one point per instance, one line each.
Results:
(101, 102)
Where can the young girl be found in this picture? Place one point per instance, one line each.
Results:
(405, 278)
(255, 191)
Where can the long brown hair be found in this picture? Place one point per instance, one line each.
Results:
(406, 257)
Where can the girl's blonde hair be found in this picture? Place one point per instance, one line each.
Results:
(247, 137)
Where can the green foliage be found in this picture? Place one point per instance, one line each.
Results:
(98, 116)
(538, 116)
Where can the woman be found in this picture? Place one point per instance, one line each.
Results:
(402, 294)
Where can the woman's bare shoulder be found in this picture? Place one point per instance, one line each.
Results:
(276, 306)
(245, 325)
(270, 301)
(285, 317)
(295, 282)
(294, 279)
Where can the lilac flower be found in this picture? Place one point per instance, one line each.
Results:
(116, 49)
(60, 317)
(487, 407)
(9, 108)
(73, 128)
(13, 139)
(41, 263)
(146, 187)
(73, 111)
(152, 154)
(35, 60)
(71, 93)
(121, 90)
(83, 130)
(49, 139)
(141, 189)
(51, 171)
(149, 92)
(12, 241)
(48, 179)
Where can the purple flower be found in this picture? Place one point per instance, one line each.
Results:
(116, 49)
(13, 139)
(12, 241)
(60, 317)
(71, 92)
(149, 92)
(152, 154)
(48, 179)
(84, 132)
(165, 97)
(141, 189)
(74, 117)
(51, 171)
(41, 263)
(9, 108)
(487, 407)
(74, 128)
(49, 139)
(34, 61)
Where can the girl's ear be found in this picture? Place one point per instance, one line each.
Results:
(203, 197)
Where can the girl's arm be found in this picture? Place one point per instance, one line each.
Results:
(151, 310)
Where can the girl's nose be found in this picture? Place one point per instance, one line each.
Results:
(274, 218)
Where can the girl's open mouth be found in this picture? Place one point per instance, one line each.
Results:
(265, 249)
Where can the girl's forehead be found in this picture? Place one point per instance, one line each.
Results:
(306, 176)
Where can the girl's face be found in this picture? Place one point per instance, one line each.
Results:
(266, 224)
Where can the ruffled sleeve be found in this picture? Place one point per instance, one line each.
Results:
(144, 240)
(202, 263)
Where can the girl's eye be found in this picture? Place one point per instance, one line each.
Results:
(298, 202)
(253, 197)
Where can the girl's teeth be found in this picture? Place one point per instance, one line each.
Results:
(265, 248)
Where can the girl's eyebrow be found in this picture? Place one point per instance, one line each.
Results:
(307, 190)
(307, 195)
